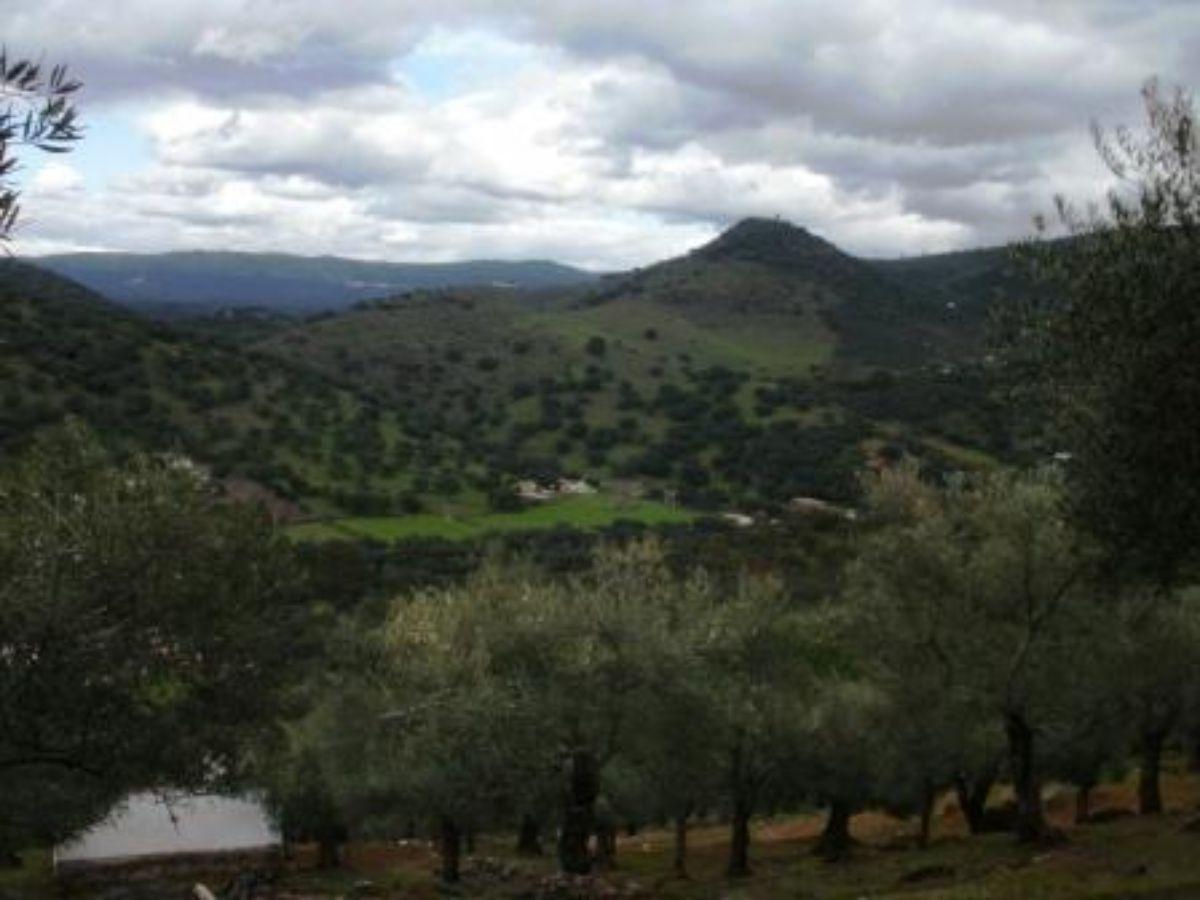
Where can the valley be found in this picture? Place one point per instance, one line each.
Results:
(762, 367)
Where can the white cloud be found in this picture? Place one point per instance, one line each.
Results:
(56, 179)
(247, 47)
(600, 133)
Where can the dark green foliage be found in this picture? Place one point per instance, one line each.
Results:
(150, 632)
(504, 499)
(303, 804)
(1111, 345)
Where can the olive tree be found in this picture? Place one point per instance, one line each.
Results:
(899, 623)
(985, 587)
(841, 754)
(147, 630)
(760, 675)
(679, 767)
(540, 672)
(459, 737)
(1158, 649)
(36, 110)
(1108, 339)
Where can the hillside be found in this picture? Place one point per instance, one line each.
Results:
(957, 288)
(194, 282)
(765, 365)
(66, 351)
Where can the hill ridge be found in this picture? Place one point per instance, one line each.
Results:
(202, 280)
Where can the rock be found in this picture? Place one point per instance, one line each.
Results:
(1109, 815)
(927, 873)
(1191, 826)
(1053, 837)
(583, 887)
(243, 887)
(487, 868)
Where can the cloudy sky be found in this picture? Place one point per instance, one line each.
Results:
(604, 133)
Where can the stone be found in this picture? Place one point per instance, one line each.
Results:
(927, 873)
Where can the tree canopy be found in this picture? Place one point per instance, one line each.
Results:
(36, 110)
(147, 630)
(1109, 342)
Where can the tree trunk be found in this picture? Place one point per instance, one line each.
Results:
(928, 801)
(835, 840)
(328, 856)
(606, 845)
(1030, 822)
(739, 839)
(972, 799)
(469, 840)
(1083, 803)
(681, 836)
(1149, 791)
(578, 820)
(450, 844)
(529, 838)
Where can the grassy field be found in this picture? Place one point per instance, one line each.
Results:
(770, 344)
(589, 511)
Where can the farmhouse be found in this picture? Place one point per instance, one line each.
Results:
(738, 520)
(532, 491)
(577, 486)
(810, 506)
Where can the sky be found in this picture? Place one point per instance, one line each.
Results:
(600, 133)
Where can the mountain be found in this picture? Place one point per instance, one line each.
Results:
(780, 290)
(195, 282)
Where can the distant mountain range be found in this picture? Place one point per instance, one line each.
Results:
(202, 281)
